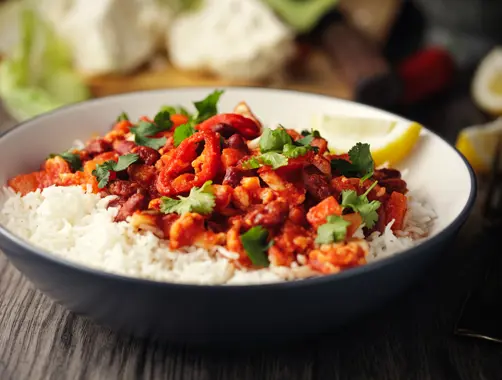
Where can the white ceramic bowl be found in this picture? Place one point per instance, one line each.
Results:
(207, 313)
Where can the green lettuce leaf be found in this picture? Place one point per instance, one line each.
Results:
(301, 15)
(38, 76)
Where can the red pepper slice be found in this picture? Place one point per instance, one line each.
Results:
(172, 180)
(245, 126)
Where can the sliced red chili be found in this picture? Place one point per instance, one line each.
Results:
(245, 126)
(172, 180)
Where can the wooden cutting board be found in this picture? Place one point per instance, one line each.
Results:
(315, 74)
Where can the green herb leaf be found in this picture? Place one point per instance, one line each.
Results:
(102, 171)
(273, 159)
(292, 151)
(154, 143)
(361, 204)
(255, 244)
(182, 132)
(73, 159)
(334, 230)
(200, 200)
(176, 110)
(252, 163)
(207, 107)
(163, 120)
(143, 130)
(123, 117)
(274, 140)
(361, 165)
(124, 162)
(309, 137)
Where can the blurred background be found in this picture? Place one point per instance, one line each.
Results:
(435, 61)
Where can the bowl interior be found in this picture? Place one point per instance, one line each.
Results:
(435, 170)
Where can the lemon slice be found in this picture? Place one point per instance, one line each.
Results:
(487, 83)
(478, 144)
(390, 140)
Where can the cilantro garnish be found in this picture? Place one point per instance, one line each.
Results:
(178, 110)
(102, 171)
(334, 230)
(361, 204)
(361, 164)
(274, 139)
(163, 120)
(144, 130)
(255, 244)
(276, 146)
(200, 200)
(273, 159)
(73, 159)
(123, 117)
(308, 137)
(182, 132)
(206, 108)
(293, 151)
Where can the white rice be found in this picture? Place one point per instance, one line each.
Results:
(76, 225)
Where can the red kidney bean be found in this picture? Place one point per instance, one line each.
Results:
(237, 142)
(225, 130)
(122, 188)
(97, 146)
(123, 146)
(134, 203)
(147, 155)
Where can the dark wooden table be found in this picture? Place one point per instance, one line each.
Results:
(411, 338)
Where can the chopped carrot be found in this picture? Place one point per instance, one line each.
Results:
(25, 183)
(317, 215)
(355, 221)
(179, 119)
(395, 209)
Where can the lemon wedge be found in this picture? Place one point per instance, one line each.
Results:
(478, 144)
(487, 83)
(390, 140)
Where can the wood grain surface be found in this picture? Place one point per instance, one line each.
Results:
(411, 338)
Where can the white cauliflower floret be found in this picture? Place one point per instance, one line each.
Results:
(234, 39)
(108, 35)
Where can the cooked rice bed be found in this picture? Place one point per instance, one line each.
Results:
(78, 226)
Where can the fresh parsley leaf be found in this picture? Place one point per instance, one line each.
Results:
(292, 151)
(200, 200)
(274, 140)
(313, 132)
(123, 117)
(163, 120)
(361, 165)
(360, 156)
(207, 107)
(334, 230)
(124, 162)
(175, 110)
(273, 159)
(73, 159)
(255, 244)
(102, 171)
(361, 204)
(182, 132)
(252, 163)
(156, 143)
(143, 130)
(309, 137)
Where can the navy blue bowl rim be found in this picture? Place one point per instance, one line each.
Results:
(357, 271)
